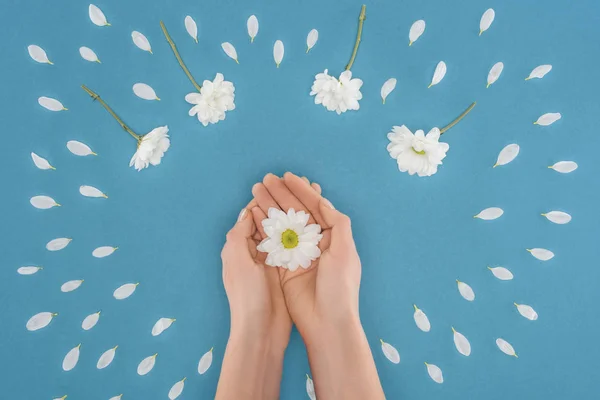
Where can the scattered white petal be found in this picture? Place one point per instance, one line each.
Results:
(71, 359)
(90, 191)
(416, 30)
(146, 364)
(28, 270)
(564, 167)
(79, 149)
(51, 104)
(278, 52)
(310, 388)
(145, 92)
(527, 311)
(116, 397)
(40, 320)
(58, 244)
(541, 254)
(462, 343)
(490, 213)
(90, 321)
(438, 74)
(507, 154)
(106, 358)
(506, 347)
(311, 39)
(141, 41)
(38, 54)
(421, 319)
(162, 325)
(191, 27)
(435, 373)
(104, 251)
(548, 119)
(486, 20)
(43, 202)
(465, 291)
(387, 88)
(71, 285)
(494, 73)
(230, 51)
(558, 217)
(501, 273)
(40, 162)
(205, 362)
(252, 25)
(97, 16)
(390, 352)
(60, 398)
(124, 291)
(88, 54)
(176, 389)
(539, 71)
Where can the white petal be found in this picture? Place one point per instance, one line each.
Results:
(495, 73)
(58, 244)
(90, 321)
(141, 41)
(144, 91)
(390, 352)
(124, 291)
(438, 74)
(548, 119)
(527, 311)
(40, 320)
(43, 202)
(28, 270)
(146, 364)
(90, 191)
(70, 285)
(40, 162)
(161, 325)
(116, 397)
(205, 362)
(462, 343)
(501, 273)
(229, 50)
(387, 88)
(79, 149)
(558, 217)
(310, 388)
(539, 71)
(507, 154)
(465, 291)
(505, 347)
(541, 254)
(71, 359)
(421, 319)
(38, 54)
(97, 16)
(103, 251)
(51, 104)
(564, 167)
(252, 25)
(88, 54)
(278, 51)
(311, 39)
(106, 358)
(416, 30)
(191, 27)
(176, 389)
(490, 213)
(486, 20)
(435, 373)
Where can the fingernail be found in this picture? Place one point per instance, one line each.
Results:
(242, 215)
(328, 204)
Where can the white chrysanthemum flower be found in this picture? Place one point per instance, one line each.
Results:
(290, 243)
(337, 95)
(419, 153)
(214, 99)
(151, 148)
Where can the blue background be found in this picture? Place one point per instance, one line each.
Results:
(415, 235)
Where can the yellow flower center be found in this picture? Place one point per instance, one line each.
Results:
(418, 152)
(289, 239)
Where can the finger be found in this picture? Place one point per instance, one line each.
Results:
(305, 194)
(263, 198)
(341, 229)
(283, 196)
(259, 215)
(305, 179)
(316, 187)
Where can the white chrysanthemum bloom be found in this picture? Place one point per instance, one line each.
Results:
(290, 243)
(337, 95)
(151, 148)
(214, 99)
(419, 153)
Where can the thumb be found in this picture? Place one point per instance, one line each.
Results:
(341, 228)
(243, 229)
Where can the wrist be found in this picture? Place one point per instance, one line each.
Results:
(343, 330)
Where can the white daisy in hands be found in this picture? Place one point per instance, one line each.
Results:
(417, 153)
(290, 243)
(151, 148)
(214, 99)
(339, 95)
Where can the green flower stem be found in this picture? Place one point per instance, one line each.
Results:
(179, 59)
(457, 120)
(361, 21)
(95, 96)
